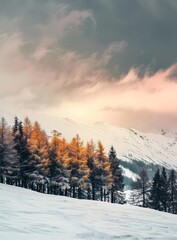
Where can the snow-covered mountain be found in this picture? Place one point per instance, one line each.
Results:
(130, 144)
(27, 215)
(135, 149)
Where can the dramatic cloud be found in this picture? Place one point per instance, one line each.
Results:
(99, 60)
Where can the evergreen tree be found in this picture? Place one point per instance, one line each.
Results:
(3, 126)
(8, 155)
(83, 172)
(22, 151)
(155, 192)
(90, 155)
(173, 192)
(164, 193)
(53, 166)
(117, 189)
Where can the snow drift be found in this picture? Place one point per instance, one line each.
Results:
(26, 215)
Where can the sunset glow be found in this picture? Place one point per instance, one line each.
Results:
(112, 61)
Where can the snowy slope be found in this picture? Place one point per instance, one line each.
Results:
(130, 144)
(27, 215)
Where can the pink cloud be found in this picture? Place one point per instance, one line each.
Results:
(80, 88)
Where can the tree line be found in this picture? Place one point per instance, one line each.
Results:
(51, 165)
(160, 193)
(31, 159)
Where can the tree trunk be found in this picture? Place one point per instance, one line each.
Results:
(112, 195)
(93, 191)
(104, 195)
(66, 192)
(101, 193)
(79, 193)
(74, 191)
(88, 194)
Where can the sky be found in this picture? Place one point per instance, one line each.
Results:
(113, 61)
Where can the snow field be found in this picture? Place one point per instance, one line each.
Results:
(28, 215)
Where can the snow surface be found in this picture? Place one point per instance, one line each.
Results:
(28, 215)
(129, 174)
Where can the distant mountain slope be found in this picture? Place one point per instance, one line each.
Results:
(27, 215)
(135, 149)
(130, 144)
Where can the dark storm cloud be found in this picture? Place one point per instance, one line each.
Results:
(148, 27)
(73, 57)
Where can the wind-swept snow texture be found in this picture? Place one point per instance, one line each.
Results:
(27, 215)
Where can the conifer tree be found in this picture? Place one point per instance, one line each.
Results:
(27, 129)
(103, 177)
(83, 171)
(90, 155)
(173, 192)
(75, 161)
(155, 192)
(53, 147)
(56, 172)
(22, 151)
(9, 159)
(3, 126)
(117, 189)
(71, 161)
(38, 161)
(164, 193)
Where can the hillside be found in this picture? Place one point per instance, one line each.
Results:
(30, 215)
(135, 149)
(130, 144)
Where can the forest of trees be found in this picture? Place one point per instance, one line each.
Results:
(31, 159)
(160, 193)
(51, 165)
